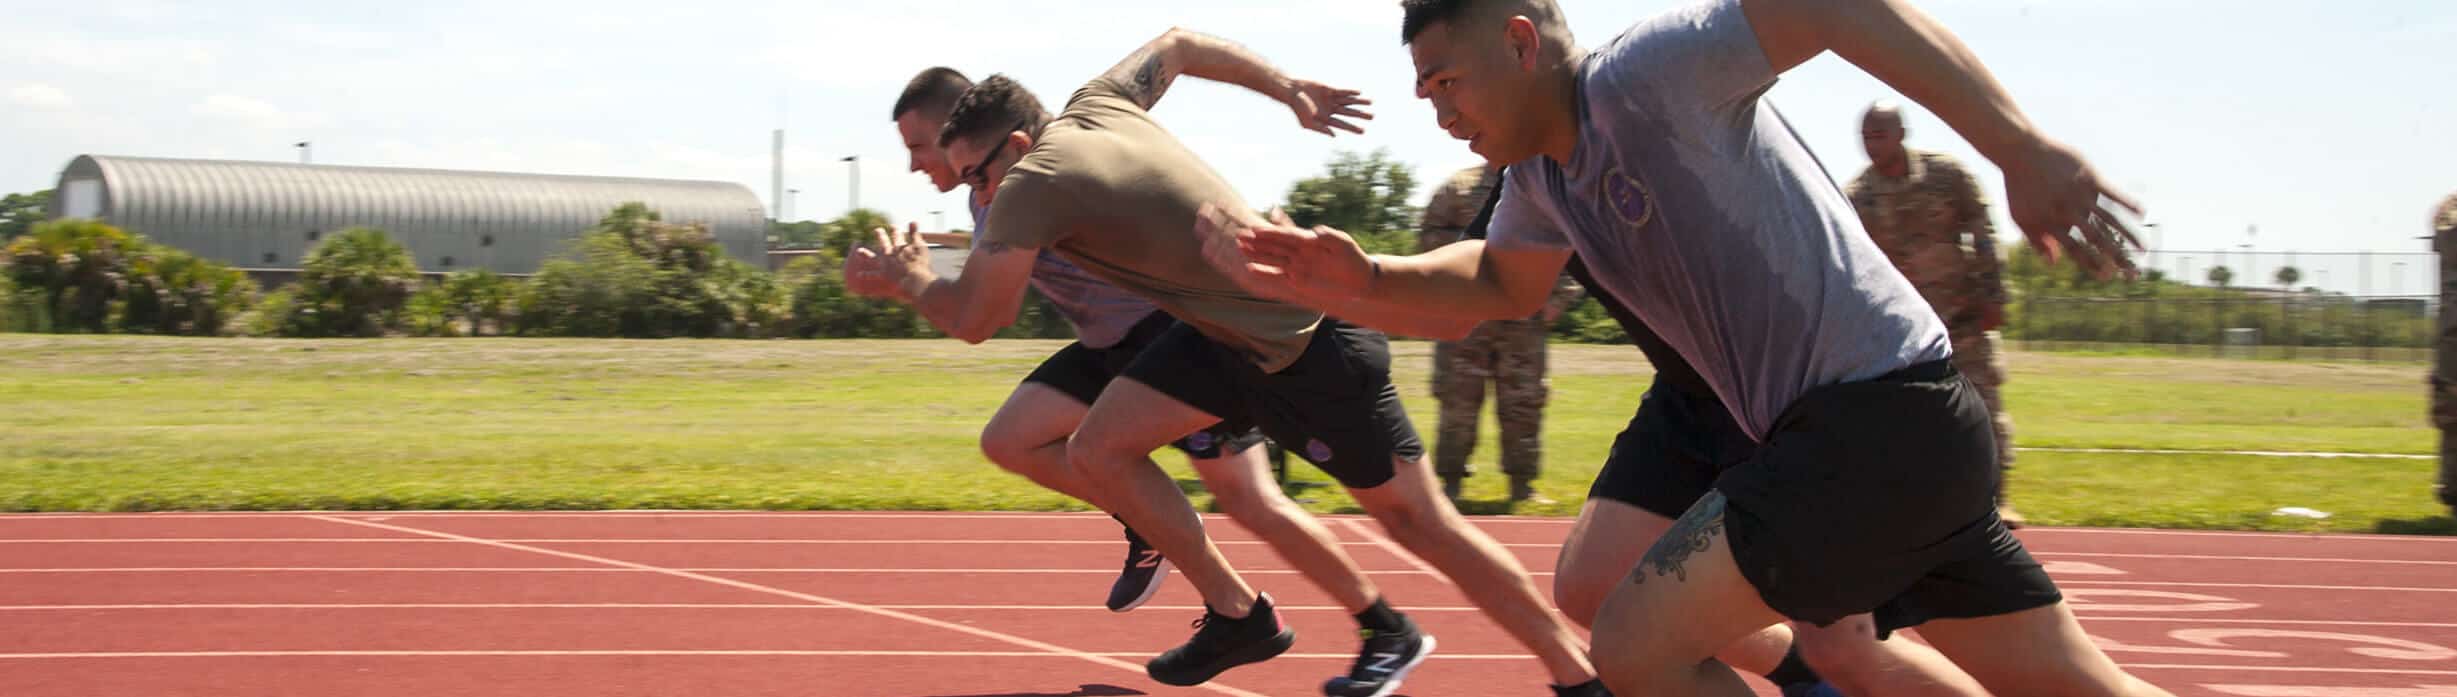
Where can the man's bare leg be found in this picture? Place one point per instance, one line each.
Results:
(1411, 508)
(2040, 651)
(1112, 450)
(1243, 485)
(1849, 657)
(1658, 633)
(1605, 545)
(1610, 536)
(1028, 437)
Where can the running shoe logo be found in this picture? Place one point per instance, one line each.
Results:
(1151, 558)
(1382, 662)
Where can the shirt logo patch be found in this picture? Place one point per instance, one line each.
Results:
(1319, 451)
(1630, 198)
(1201, 440)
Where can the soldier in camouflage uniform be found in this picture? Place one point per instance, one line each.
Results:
(2444, 371)
(1927, 212)
(1509, 354)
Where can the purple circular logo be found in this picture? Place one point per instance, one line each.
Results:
(1316, 449)
(1201, 440)
(1629, 198)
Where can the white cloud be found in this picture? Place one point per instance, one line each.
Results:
(255, 113)
(151, 58)
(333, 36)
(40, 96)
(141, 10)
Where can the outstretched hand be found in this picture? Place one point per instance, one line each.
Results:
(1321, 108)
(2056, 198)
(879, 271)
(1280, 260)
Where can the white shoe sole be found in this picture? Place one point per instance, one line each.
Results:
(1401, 675)
(1159, 574)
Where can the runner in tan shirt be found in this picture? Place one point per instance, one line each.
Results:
(1112, 192)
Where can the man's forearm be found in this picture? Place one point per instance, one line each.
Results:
(1906, 49)
(1398, 319)
(1453, 280)
(941, 302)
(1220, 60)
(1917, 55)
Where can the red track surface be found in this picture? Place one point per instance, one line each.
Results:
(992, 605)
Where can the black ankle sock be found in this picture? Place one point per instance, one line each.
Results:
(1792, 671)
(1381, 618)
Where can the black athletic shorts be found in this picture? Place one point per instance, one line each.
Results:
(1082, 372)
(1880, 496)
(1335, 406)
(1671, 451)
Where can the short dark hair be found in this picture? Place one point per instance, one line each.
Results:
(993, 107)
(934, 90)
(1421, 14)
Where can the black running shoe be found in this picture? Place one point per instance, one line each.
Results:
(1141, 578)
(1591, 688)
(1385, 660)
(1221, 643)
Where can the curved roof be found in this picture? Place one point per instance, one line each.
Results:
(265, 214)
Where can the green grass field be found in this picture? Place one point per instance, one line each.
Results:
(150, 423)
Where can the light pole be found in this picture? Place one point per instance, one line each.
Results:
(307, 152)
(793, 200)
(2157, 239)
(941, 217)
(853, 163)
(2397, 278)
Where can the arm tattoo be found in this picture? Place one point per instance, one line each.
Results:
(1693, 533)
(1148, 81)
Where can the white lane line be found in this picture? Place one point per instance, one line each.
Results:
(745, 585)
(687, 652)
(1007, 654)
(168, 607)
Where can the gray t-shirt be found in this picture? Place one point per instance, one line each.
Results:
(1101, 313)
(1690, 199)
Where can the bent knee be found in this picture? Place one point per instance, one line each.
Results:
(1579, 590)
(1625, 654)
(1846, 653)
(1006, 448)
(1092, 453)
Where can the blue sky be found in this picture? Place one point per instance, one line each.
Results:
(2330, 126)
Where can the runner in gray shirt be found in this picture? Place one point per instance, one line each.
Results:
(1659, 163)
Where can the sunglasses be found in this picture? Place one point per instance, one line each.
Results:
(978, 176)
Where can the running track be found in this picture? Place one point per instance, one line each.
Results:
(992, 605)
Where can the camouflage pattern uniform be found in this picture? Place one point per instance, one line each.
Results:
(1509, 354)
(2444, 371)
(1934, 225)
